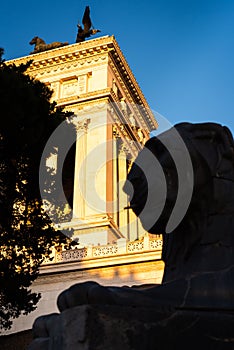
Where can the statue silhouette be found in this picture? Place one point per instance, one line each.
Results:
(198, 254)
(85, 32)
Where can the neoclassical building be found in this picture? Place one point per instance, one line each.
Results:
(112, 121)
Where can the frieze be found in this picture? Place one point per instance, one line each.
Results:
(90, 105)
(51, 70)
(74, 61)
(84, 96)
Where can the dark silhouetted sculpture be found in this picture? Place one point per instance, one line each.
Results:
(87, 31)
(40, 45)
(198, 254)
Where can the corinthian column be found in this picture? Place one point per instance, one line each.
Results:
(123, 199)
(80, 169)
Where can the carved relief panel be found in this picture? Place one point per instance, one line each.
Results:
(69, 88)
(74, 86)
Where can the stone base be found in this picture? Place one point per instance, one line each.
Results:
(104, 327)
(16, 341)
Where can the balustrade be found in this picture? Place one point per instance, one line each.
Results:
(93, 252)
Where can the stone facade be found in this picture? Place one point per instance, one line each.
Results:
(113, 120)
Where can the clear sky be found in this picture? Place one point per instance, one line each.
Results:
(180, 51)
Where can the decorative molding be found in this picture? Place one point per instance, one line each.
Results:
(135, 246)
(95, 252)
(69, 53)
(115, 132)
(85, 54)
(81, 125)
(85, 97)
(125, 143)
(41, 71)
(108, 250)
(72, 254)
(133, 91)
(123, 149)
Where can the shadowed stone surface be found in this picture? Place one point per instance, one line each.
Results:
(103, 327)
(16, 341)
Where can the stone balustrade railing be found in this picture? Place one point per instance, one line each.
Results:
(122, 246)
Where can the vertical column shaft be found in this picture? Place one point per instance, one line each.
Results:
(80, 170)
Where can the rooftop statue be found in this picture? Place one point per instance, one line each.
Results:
(88, 29)
(40, 45)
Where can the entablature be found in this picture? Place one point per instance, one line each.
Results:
(48, 65)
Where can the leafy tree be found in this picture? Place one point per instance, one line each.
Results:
(26, 234)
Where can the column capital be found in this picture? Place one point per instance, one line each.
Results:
(116, 132)
(123, 148)
(82, 125)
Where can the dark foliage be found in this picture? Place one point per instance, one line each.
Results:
(26, 234)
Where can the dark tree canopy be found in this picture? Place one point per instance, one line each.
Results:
(26, 234)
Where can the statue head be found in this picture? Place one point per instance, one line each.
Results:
(155, 174)
(34, 40)
(159, 183)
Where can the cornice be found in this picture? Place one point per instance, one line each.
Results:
(134, 89)
(77, 54)
(47, 68)
(65, 53)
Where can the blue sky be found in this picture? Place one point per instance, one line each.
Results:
(180, 51)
